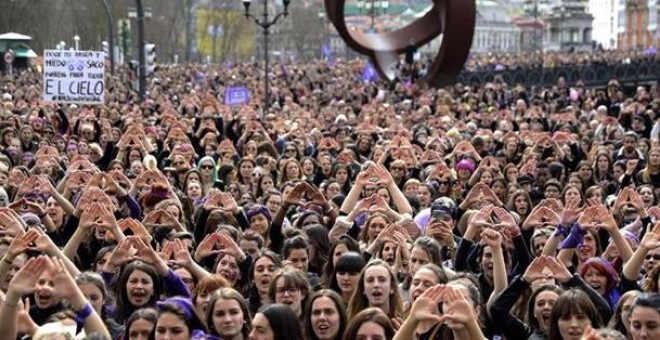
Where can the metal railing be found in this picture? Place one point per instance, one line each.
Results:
(595, 75)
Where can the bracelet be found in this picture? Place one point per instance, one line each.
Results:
(84, 313)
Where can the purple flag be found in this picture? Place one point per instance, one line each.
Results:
(651, 51)
(326, 51)
(369, 74)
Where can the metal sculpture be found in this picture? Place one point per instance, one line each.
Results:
(454, 19)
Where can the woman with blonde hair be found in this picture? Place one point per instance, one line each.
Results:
(651, 173)
(290, 171)
(620, 320)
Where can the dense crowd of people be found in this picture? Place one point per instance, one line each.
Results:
(348, 209)
(551, 59)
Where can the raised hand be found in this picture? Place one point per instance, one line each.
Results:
(535, 269)
(456, 310)
(534, 219)
(213, 201)
(93, 215)
(654, 213)
(384, 176)
(488, 195)
(180, 253)
(482, 218)
(553, 204)
(167, 251)
(65, 284)
(229, 246)
(363, 177)
(605, 218)
(228, 203)
(589, 218)
(295, 196)
(134, 226)
(10, 223)
(425, 307)
(473, 196)
(562, 274)
(651, 239)
(442, 232)
(315, 195)
(637, 202)
(207, 247)
(44, 243)
(21, 243)
(144, 251)
(622, 198)
(491, 238)
(112, 187)
(25, 324)
(25, 280)
(571, 212)
(506, 221)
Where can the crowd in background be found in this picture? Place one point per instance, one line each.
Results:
(349, 209)
(549, 59)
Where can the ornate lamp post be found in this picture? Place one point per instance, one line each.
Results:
(265, 23)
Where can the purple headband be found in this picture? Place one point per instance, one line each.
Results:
(160, 192)
(465, 164)
(34, 195)
(259, 209)
(183, 303)
(188, 310)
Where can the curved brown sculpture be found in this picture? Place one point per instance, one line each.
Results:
(454, 19)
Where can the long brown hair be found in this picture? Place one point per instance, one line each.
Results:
(374, 315)
(359, 301)
(572, 302)
(649, 170)
(228, 293)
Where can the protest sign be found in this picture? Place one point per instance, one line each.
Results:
(237, 95)
(74, 77)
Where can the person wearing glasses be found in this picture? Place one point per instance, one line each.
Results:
(291, 288)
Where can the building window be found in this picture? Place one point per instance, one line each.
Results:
(653, 15)
(554, 34)
(622, 20)
(574, 35)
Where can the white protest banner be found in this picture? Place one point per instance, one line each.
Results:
(74, 76)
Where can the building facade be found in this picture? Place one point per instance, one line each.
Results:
(568, 26)
(638, 24)
(495, 30)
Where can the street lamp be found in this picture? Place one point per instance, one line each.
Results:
(265, 24)
(62, 45)
(76, 39)
(375, 6)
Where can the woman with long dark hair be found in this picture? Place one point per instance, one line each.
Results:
(276, 322)
(325, 316)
